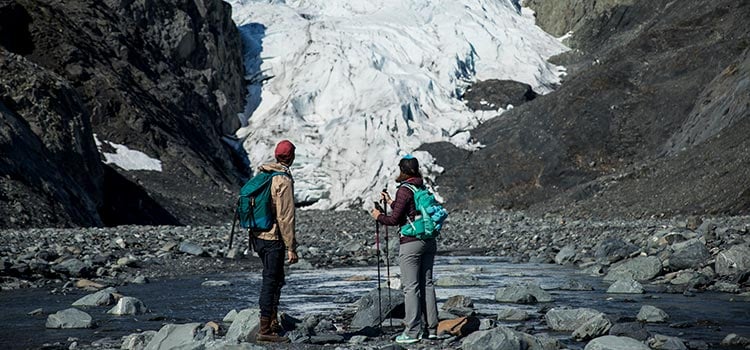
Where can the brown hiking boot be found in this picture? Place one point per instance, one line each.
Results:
(265, 335)
(275, 325)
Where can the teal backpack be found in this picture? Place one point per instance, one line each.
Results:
(255, 207)
(432, 215)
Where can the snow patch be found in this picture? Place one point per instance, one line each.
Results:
(126, 158)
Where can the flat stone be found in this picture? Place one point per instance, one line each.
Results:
(69, 318)
(191, 248)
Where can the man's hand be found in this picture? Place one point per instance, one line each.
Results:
(375, 213)
(293, 258)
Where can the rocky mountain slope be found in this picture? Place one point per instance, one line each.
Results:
(652, 118)
(163, 78)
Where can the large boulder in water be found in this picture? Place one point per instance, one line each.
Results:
(69, 318)
(103, 297)
(641, 268)
(367, 314)
(611, 342)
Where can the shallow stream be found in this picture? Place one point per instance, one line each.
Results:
(709, 316)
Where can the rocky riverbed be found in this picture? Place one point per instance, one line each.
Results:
(687, 256)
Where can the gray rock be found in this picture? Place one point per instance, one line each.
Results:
(575, 285)
(103, 297)
(358, 339)
(459, 305)
(663, 342)
(69, 318)
(641, 268)
(137, 341)
(190, 248)
(303, 265)
(651, 314)
(689, 254)
(244, 327)
(175, 336)
(367, 308)
(458, 281)
(561, 319)
(613, 249)
(611, 342)
(566, 255)
(73, 267)
(522, 294)
(128, 306)
(223, 345)
(733, 339)
(512, 315)
(597, 326)
(327, 339)
(503, 338)
(635, 330)
(229, 318)
(734, 260)
(216, 284)
(627, 286)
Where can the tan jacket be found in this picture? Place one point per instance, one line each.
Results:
(282, 196)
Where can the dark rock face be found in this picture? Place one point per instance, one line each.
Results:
(493, 94)
(649, 121)
(163, 78)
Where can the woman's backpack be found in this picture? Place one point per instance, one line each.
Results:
(431, 215)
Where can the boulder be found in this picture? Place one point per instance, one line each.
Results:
(663, 342)
(503, 338)
(137, 341)
(597, 326)
(635, 330)
(735, 260)
(566, 255)
(733, 339)
(651, 314)
(175, 336)
(512, 315)
(103, 297)
(69, 318)
(613, 249)
(561, 319)
(73, 267)
(459, 305)
(128, 306)
(367, 314)
(626, 286)
(611, 342)
(522, 294)
(244, 327)
(641, 268)
(229, 318)
(689, 254)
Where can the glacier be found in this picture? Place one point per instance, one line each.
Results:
(357, 84)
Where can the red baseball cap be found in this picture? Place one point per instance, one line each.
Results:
(284, 151)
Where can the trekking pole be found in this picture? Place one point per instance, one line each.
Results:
(377, 247)
(234, 222)
(387, 255)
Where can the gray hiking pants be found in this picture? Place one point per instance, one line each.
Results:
(416, 260)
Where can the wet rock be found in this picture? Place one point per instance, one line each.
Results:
(229, 318)
(725, 287)
(561, 319)
(216, 284)
(735, 260)
(138, 280)
(35, 312)
(302, 265)
(522, 294)
(689, 254)
(597, 326)
(69, 318)
(103, 297)
(503, 338)
(174, 336)
(367, 314)
(635, 330)
(733, 339)
(614, 249)
(575, 285)
(512, 315)
(191, 248)
(458, 281)
(244, 327)
(566, 255)
(137, 341)
(663, 342)
(641, 268)
(128, 306)
(626, 286)
(611, 342)
(652, 314)
(459, 305)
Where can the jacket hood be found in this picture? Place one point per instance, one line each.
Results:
(416, 181)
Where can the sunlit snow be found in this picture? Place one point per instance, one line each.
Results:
(357, 84)
(126, 158)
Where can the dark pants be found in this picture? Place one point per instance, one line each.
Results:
(271, 253)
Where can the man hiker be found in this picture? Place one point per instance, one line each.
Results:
(276, 244)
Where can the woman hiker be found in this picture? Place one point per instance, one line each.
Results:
(416, 257)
